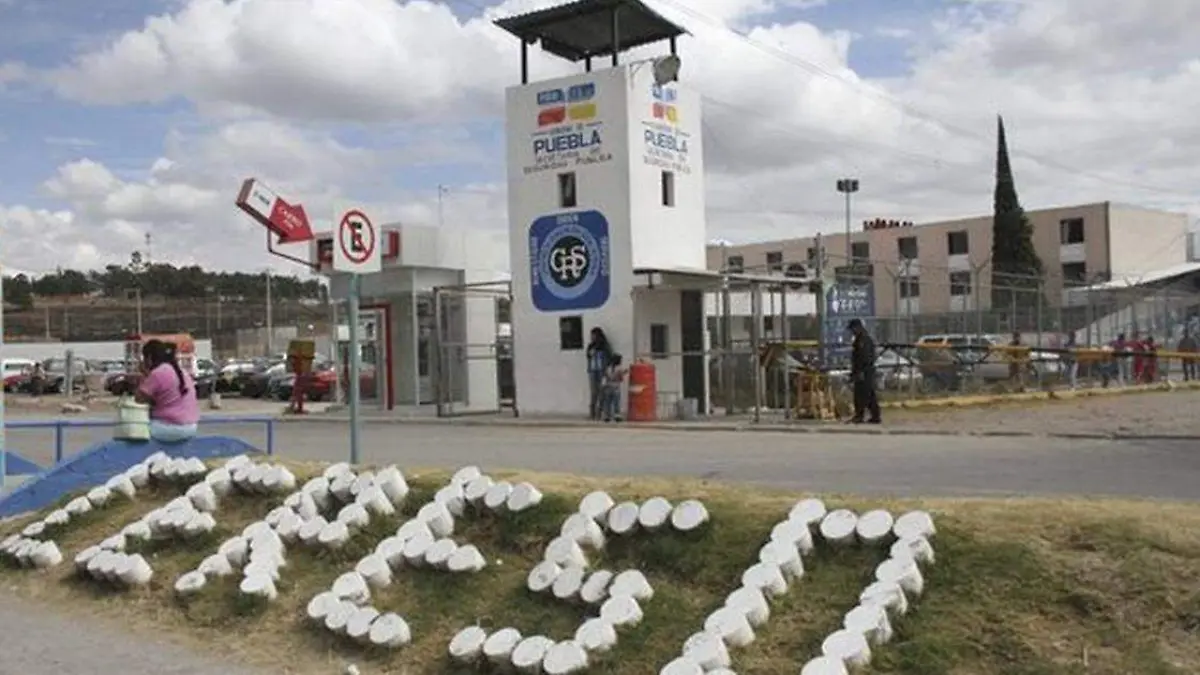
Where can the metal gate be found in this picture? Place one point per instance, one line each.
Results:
(472, 350)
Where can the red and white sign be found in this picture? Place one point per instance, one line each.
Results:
(356, 245)
(289, 221)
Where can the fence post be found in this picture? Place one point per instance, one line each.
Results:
(59, 427)
(270, 436)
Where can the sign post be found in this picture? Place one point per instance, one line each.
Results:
(355, 252)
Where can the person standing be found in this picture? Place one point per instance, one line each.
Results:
(599, 353)
(614, 377)
(1187, 345)
(862, 374)
(1070, 360)
(1120, 348)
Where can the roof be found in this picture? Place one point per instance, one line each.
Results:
(579, 30)
(1132, 281)
(710, 280)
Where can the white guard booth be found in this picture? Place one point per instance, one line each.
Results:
(398, 318)
(606, 209)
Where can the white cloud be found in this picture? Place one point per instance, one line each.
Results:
(1098, 97)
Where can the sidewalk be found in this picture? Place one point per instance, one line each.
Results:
(1147, 415)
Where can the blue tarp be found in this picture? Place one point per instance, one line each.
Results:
(100, 462)
(16, 465)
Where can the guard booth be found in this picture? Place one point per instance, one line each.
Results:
(606, 206)
(432, 308)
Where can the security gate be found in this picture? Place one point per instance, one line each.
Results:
(472, 350)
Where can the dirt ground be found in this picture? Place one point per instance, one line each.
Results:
(1158, 413)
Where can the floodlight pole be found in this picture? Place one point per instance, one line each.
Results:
(848, 186)
(3, 446)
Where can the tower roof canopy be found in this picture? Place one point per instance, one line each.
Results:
(584, 29)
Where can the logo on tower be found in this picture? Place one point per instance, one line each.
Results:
(569, 261)
(666, 142)
(567, 131)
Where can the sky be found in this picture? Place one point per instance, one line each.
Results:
(124, 118)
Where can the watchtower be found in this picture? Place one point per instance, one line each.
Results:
(605, 181)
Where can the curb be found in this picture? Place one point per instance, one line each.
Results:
(849, 430)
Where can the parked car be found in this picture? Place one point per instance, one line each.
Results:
(892, 371)
(258, 384)
(974, 353)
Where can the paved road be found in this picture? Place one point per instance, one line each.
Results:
(34, 641)
(888, 465)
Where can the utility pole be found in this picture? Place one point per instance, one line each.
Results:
(442, 190)
(821, 290)
(148, 249)
(270, 318)
(848, 186)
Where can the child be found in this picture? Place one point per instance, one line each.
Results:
(614, 375)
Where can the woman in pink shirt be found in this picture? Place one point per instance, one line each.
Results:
(170, 393)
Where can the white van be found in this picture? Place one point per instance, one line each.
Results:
(17, 366)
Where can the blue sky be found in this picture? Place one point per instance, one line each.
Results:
(41, 132)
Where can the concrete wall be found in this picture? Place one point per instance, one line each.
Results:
(1144, 240)
(113, 350)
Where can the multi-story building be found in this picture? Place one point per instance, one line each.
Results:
(943, 267)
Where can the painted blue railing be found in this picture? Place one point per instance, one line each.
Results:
(60, 427)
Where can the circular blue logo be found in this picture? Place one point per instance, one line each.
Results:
(569, 259)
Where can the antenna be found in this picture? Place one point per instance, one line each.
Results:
(148, 248)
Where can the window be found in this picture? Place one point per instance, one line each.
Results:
(960, 283)
(769, 324)
(1074, 272)
(860, 250)
(1070, 231)
(570, 333)
(910, 287)
(658, 341)
(735, 264)
(958, 243)
(774, 261)
(668, 188)
(567, 197)
(907, 247)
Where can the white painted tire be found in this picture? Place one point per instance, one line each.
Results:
(631, 583)
(596, 506)
(914, 524)
(352, 587)
(496, 498)
(541, 578)
(766, 577)
(621, 610)
(708, 650)
(875, 528)
(565, 658)
(567, 584)
(731, 625)
(467, 646)
(752, 603)
(783, 555)
(524, 496)
(870, 620)
(623, 518)
(564, 551)
(689, 515)
(825, 665)
(596, 635)
(498, 648)
(466, 559)
(654, 513)
(528, 655)
(838, 527)
(849, 646)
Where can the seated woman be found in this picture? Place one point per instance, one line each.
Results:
(170, 393)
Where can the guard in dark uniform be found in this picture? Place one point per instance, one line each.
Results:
(862, 374)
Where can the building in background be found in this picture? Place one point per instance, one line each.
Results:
(936, 277)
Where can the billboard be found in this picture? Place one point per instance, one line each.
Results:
(843, 302)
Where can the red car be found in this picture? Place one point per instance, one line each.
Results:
(320, 385)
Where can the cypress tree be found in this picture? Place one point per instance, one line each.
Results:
(1016, 268)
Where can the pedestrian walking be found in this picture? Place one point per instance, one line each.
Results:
(862, 374)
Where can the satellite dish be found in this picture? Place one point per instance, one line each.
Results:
(666, 69)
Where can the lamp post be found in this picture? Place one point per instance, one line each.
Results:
(137, 265)
(270, 318)
(848, 186)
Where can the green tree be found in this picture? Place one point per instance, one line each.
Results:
(1016, 268)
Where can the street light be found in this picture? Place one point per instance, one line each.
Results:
(847, 186)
